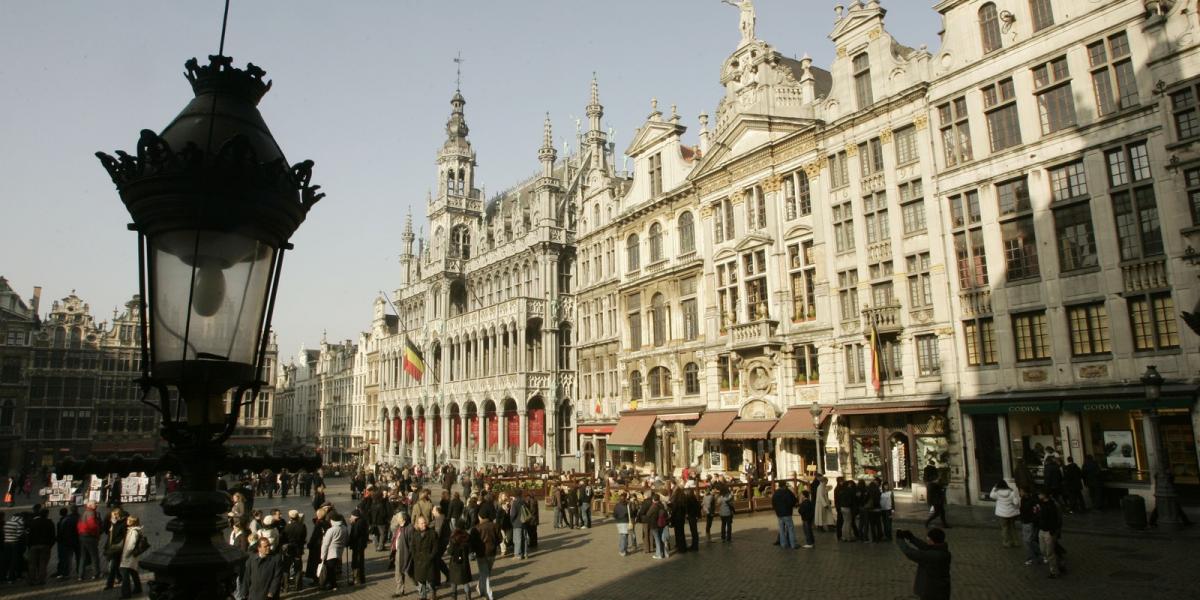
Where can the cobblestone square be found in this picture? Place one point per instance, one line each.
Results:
(585, 564)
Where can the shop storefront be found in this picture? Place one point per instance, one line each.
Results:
(895, 441)
(1020, 430)
(757, 447)
(796, 440)
(719, 456)
(593, 447)
(655, 439)
(629, 443)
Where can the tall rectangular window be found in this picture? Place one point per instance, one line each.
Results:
(756, 207)
(1112, 73)
(1031, 335)
(862, 81)
(727, 293)
(689, 309)
(920, 289)
(1040, 14)
(955, 130)
(970, 256)
(1000, 107)
(1056, 103)
(905, 140)
(848, 294)
(853, 355)
(802, 270)
(1020, 241)
(656, 172)
(1088, 324)
(1113, 76)
(839, 174)
(980, 338)
(1152, 319)
(633, 306)
(1076, 240)
(727, 373)
(808, 369)
(1184, 113)
(1139, 233)
(912, 207)
(843, 227)
(870, 157)
(755, 277)
(875, 211)
(928, 363)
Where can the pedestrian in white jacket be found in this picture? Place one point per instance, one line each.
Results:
(332, 545)
(1008, 510)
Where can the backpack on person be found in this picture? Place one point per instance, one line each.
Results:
(662, 519)
(526, 514)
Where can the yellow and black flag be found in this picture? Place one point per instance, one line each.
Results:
(414, 361)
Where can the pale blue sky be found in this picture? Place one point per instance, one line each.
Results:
(360, 87)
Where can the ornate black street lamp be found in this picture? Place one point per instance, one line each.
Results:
(1166, 501)
(213, 202)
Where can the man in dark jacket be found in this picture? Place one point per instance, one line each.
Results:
(295, 535)
(485, 538)
(360, 537)
(808, 512)
(692, 505)
(456, 509)
(933, 563)
(1073, 486)
(67, 537)
(424, 548)
(41, 538)
(263, 574)
(784, 502)
(1091, 478)
(1049, 525)
(517, 512)
(115, 528)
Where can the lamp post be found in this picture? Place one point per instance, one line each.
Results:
(1166, 501)
(815, 411)
(213, 202)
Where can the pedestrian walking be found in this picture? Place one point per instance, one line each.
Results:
(264, 573)
(1049, 526)
(14, 547)
(936, 495)
(726, 512)
(621, 515)
(295, 534)
(320, 526)
(783, 501)
(458, 556)
(424, 550)
(933, 562)
(678, 516)
(114, 546)
(1091, 479)
(1073, 486)
(1008, 510)
(708, 506)
(89, 529)
(820, 498)
(66, 537)
(333, 545)
(135, 545)
(485, 538)
(657, 520)
(807, 511)
(402, 546)
(521, 517)
(692, 507)
(41, 537)
(357, 543)
(1029, 530)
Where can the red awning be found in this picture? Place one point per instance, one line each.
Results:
(749, 430)
(631, 431)
(712, 425)
(798, 422)
(596, 429)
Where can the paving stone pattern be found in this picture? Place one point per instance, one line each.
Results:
(585, 564)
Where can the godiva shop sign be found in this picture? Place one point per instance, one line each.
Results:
(1123, 404)
(1007, 408)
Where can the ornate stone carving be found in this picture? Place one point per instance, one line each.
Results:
(921, 122)
(851, 150)
(875, 33)
(841, 52)
(885, 136)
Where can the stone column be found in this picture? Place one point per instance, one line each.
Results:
(523, 450)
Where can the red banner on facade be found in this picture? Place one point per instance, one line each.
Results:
(395, 430)
(408, 430)
(474, 431)
(437, 432)
(420, 429)
(537, 427)
(456, 436)
(513, 425)
(493, 431)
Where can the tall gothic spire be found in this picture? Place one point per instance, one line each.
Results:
(547, 154)
(594, 109)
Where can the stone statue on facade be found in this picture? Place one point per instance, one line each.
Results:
(747, 20)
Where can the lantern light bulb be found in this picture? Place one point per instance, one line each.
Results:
(209, 292)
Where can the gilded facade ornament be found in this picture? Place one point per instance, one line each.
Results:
(885, 136)
(851, 150)
(841, 52)
(921, 122)
(875, 33)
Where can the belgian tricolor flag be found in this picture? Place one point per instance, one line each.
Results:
(414, 361)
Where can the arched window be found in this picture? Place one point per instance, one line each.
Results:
(691, 379)
(450, 181)
(656, 244)
(631, 253)
(460, 242)
(76, 338)
(660, 382)
(687, 233)
(989, 28)
(658, 316)
(462, 182)
(635, 385)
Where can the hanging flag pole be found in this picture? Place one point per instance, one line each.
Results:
(875, 379)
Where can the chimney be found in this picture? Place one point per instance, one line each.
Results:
(36, 302)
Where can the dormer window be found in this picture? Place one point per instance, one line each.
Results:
(656, 174)
(862, 80)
